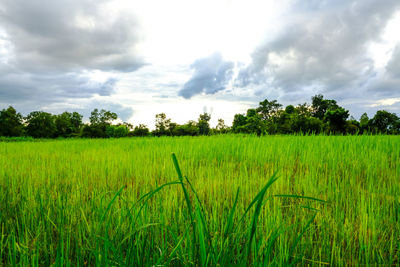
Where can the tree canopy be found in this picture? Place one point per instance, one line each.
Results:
(269, 117)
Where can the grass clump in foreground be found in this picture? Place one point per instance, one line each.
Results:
(109, 202)
(205, 248)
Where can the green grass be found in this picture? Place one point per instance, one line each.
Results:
(225, 200)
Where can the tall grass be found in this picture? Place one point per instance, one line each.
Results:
(231, 200)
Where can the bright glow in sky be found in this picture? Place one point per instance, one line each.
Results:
(181, 31)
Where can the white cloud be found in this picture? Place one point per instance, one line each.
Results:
(136, 56)
(386, 102)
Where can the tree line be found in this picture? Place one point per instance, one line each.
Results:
(270, 117)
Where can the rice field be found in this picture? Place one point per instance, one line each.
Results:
(240, 201)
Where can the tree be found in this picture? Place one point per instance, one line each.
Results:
(128, 125)
(99, 123)
(190, 128)
(93, 131)
(117, 131)
(385, 122)
(94, 117)
(304, 110)
(306, 124)
(268, 109)
(68, 124)
(221, 127)
(253, 122)
(76, 121)
(140, 130)
(203, 123)
(162, 125)
(352, 126)
(336, 119)
(320, 106)
(40, 124)
(285, 119)
(238, 123)
(290, 109)
(364, 122)
(11, 122)
(103, 117)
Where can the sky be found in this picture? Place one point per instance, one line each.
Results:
(185, 57)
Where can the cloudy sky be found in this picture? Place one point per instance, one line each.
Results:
(184, 57)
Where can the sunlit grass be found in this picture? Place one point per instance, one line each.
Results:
(99, 202)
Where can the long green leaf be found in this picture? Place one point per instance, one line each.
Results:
(270, 182)
(110, 203)
(259, 201)
(229, 223)
(303, 197)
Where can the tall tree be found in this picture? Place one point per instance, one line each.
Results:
(254, 122)
(141, 130)
(385, 122)
(40, 124)
(336, 119)
(162, 125)
(99, 121)
(221, 127)
(203, 123)
(239, 121)
(104, 117)
(11, 122)
(320, 106)
(267, 109)
(68, 124)
(364, 122)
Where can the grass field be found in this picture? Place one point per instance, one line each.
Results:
(84, 202)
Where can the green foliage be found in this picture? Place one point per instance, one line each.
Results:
(251, 123)
(323, 116)
(94, 131)
(290, 109)
(336, 119)
(68, 124)
(116, 131)
(100, 125)
(268, 109)
(11, 123)
(320, 106)
(140, 130)
(104, 117)
(203, 124)
(385, 122)
(238, 123)
(301, 123)
(221, 127)
(40, 124)
(162, 125)
(191, 128)
(364, 121)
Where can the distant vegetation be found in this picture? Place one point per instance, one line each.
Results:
(270, 117)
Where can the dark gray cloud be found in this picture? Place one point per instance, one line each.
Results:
(16, 87)
(49, 48)
(211, 74)
(324, 46)
(393, 66)
(69, 91)
(68, 35)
